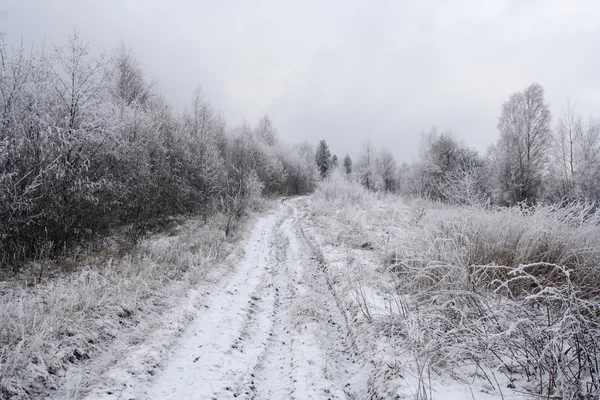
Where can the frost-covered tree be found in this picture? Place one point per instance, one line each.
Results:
(266, 132)
(204, 131)
(307, 175)
(323, 158)
(522, 152)
(128, 83)
(445, 163)
(282, 169)
(386, 168)
(366, 167)
(334, 161)
(404, 179)
(348, 164)
(588, 176)
(568, 135)
(575, 170)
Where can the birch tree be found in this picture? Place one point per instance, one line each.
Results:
(576, 159)
(523, 147)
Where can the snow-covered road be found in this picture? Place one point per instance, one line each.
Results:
(270, 330)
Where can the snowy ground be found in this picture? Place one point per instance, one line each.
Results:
(284, 324)
(270, 330)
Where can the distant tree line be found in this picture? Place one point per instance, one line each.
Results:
(376, 171)
(531, 162)
(88, 144)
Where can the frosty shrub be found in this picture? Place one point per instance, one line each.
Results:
(338, 187)
(509, 288)
(87, 146)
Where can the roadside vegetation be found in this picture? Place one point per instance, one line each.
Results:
(508, 294)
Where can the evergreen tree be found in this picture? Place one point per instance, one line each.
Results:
(348, 164)
(323, 159)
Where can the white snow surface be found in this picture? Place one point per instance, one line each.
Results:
(269, 330)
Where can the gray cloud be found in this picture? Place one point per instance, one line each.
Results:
(345, 71)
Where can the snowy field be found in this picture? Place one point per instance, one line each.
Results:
(465, 301)
(341, 295)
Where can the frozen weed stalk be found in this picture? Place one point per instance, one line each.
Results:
(507, 296)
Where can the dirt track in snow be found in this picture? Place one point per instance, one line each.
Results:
(270, 330)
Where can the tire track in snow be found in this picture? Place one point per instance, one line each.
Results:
(273, 374)
(310, 356)
(271, 330)
(217, 352)
(346, 362)
(295, 365)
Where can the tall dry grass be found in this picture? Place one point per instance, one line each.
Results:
(512, 292)
(63, 322)
(515, 286)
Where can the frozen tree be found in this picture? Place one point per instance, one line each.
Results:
(266, 132)
(366, 167)
(281, 169)
(334, 161)
(445, 162)
(523, 148)
(323, 159)
(386, 168)
(575, 170)
(77, 80)
(204, 130)
(568, 132)
(403, 179)
(56, 168)
(304, 180)
(347, 164)
(128, 83)
(588, 176)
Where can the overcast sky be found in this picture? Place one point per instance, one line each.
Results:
(344, 70)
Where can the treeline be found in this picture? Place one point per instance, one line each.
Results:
(532, 161)
(88, 144)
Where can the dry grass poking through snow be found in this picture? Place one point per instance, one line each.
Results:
(513, 294)
(63, 324)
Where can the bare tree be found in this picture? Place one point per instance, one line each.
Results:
(386, 170)
(588, 176)
(128, 83)
(366, 166)
(577, 163)
(568, 134)
(78, 80)
(266, 132)
(523, 147)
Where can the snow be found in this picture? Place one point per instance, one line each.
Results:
(285, 324)
(225, 341)
(269, 330)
